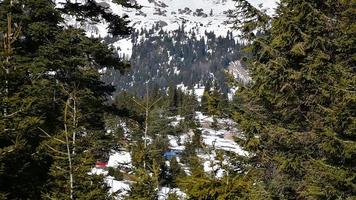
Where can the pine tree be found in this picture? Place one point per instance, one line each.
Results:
(78, 80)
(189, 106)
(212, 101)
(23, 96)
(197, 139)
(175, 172)
(205, 98)
(47, 65)
(160, 123)
(297, 114)
(143, 188)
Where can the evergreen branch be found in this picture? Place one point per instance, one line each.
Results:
(6, 150)
(15, 35)
(155, 102)
(60, 157)
(22, 109)
(48, 135)
(93, 11)
(14, 113)
(138, 103)
(55, 150)
(266, 48)
(62, 168)
(248, 18)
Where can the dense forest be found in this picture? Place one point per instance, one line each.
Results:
(289, 133)
(165, 58)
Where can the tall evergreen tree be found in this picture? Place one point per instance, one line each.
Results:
(77, 80)
(298, 114)
(45, 66)
(23, 95)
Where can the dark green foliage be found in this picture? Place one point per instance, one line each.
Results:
(175, 172)
(144, 188)
(77, 77)
(181, 103)
(189, 106)
(214, 102)
(173, 196)
(153, 153)
(126, 109)
(189, 154)
(47, 67)
(116, 173)
(138, 154)
(197, 139)
(85, 187)
(160, 124)
(24, 102)
(116, 135)
(203, 186)
(90, 10)
(298, 115)
(175, 99)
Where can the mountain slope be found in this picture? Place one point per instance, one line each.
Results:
(174, 42)
(199, 16)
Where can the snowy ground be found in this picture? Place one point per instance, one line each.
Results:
(165, 191)
(120, 159)
(121, 187)
(214, 140)
(219, 140)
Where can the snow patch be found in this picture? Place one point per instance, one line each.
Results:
(124, 48)
(165, 191)
(121, 188)
(118, 159)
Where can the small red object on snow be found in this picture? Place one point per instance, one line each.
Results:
(100, 164)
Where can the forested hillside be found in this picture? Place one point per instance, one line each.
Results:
(176, 58)
(93, 106)
(173, 43)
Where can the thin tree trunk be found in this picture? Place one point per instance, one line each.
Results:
(74, 123)
(146, 125)
(147, 107)
(7, 48)
(71, 179)
(10, 36)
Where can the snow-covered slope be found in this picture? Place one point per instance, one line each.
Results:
(199, 16)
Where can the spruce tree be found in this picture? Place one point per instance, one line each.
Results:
(47, 66)
(175, 172)
(297, 114)
(144, 187)
(212, 101)
(23, 95)
(205, 97)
